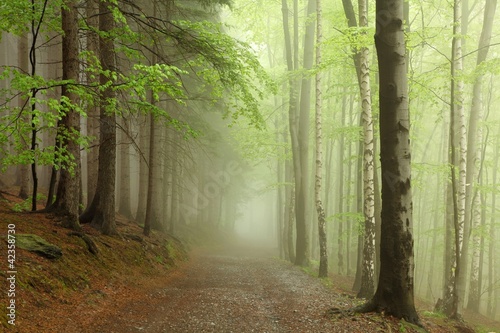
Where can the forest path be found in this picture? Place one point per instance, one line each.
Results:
(235, 290)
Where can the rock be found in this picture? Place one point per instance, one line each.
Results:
(38, 245)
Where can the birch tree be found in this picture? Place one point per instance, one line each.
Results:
(323, 251)
(368, 267)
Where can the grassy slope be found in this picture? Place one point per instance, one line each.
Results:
(78, 287)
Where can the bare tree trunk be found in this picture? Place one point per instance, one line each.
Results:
(148, 222)
(143, 168)
(395, 290)
(367, 279)
(68, 192)
(459, 129)
(323, 251)
(492, 291)
(101, 211)
(475, 137)
(292, 64)
(22, 56)
(340, 189)
(92, 110)
(124, 180)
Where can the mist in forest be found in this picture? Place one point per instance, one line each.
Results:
(279, 124)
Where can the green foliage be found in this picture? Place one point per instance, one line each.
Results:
(25, 205)
(229, 70)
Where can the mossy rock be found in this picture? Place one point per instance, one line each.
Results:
(38, 245)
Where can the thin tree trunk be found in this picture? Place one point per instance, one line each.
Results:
(475, 137)
(367, 283)
(143, 169)
(492, 291)
(459, 129)
(148, 223)
(22, 56)
(124, 207)
(292, 63)
(323, 251)
(340, 189)
(93, 109)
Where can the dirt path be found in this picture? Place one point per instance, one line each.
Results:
(232, 293)
(240, 291)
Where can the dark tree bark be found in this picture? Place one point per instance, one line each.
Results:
(93, 110)
(101, 211)
(68, 190)
(394, 294)
(148, 221)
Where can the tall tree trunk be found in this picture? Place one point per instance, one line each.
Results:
(395, 290)
(475, 137)
(492, 271)
(323, 251)
(143, 168)
(35, 33)
(359, 209)
(292, 63)
(302, 177)
(68, 191)
(148, 222)
(459, 156)
(340, 188)
(93, 109)
(124, 183)
(176, 183)
(367, 279)
(22, 56)
(101, 211)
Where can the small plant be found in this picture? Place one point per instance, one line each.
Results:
(26, 204)
(430, 314)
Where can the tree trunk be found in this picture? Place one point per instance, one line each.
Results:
(148, 222)
(492, 291)
(68, 191)
(459, 133)
(143, 168)
(124, 207)
(101, 211)
(340, 188)
(93, 109)
(367, 283)
(394, 294)
(475, 137)
(22, 56)
(301, 177)
(292, 63)
(323, 251)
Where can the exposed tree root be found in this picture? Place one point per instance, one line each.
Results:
(91, 245)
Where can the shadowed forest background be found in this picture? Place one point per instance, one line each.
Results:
(262, 120)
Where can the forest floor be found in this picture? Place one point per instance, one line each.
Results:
(138, 284)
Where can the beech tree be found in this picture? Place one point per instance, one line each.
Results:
(395, 291)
